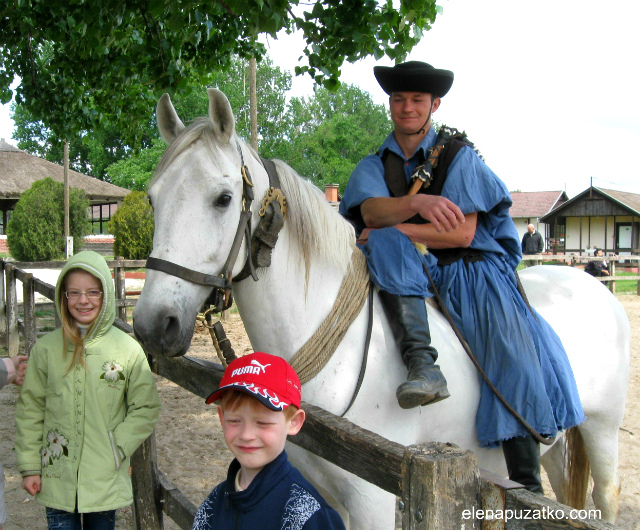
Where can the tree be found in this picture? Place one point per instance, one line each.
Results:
(35, 231)
(135, 171)
(329, 133)
(86, 63)
(132, 227)
(90, 153)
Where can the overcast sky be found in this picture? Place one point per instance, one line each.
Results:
(548, 90)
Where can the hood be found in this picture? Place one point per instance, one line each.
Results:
(94, 264)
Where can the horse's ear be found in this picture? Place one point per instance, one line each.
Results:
(220, 113)
(169, 124)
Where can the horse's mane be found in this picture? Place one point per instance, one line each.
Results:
(320, 232)
(316, 228)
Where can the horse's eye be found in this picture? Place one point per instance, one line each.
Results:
(223, 200)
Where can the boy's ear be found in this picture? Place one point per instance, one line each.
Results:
(295, 423)
(221, 415)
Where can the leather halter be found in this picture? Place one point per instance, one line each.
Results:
(221, 283)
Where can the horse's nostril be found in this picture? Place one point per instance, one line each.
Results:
(171, 329)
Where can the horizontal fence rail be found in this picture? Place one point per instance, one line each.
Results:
(576, 259)
(439, 484)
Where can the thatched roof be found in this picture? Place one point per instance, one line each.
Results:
(535, 203)
(19, 170)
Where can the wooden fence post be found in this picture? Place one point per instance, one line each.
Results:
(119, 278)
(147, 509)
(440, 487)
(3, 306)
(612, 272)
(13, 338)
(28, 303)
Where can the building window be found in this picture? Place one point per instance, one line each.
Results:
(100, 215)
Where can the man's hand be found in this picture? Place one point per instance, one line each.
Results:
(443, 214)
(382, 212)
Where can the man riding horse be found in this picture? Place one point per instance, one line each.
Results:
(461, 215)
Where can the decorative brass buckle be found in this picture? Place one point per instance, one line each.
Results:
(271, 195)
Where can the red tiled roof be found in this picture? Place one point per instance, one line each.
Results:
(535, 203)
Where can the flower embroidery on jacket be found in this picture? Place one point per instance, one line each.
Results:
(112, 371)
(45, 454)
(55, 448)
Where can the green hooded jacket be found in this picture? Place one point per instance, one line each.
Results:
(77, 428)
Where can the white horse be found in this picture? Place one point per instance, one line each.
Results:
(197, 198)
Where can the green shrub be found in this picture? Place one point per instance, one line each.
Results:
(132, 227)
(35, 231)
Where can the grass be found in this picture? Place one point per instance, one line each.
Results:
(626, 286)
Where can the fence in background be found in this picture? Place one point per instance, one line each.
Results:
(574, 260)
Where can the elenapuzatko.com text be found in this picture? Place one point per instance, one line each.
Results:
(532, 514)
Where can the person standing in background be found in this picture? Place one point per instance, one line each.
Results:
(531, 244)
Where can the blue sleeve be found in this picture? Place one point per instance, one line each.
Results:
(366, 181)
(475, 188)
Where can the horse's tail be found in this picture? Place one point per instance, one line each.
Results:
(578, 469)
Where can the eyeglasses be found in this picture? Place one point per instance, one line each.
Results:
(74, 295)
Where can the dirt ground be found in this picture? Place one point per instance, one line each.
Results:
(192, 453)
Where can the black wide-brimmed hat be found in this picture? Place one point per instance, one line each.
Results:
(414, 76)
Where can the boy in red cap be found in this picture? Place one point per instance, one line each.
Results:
(259, 406)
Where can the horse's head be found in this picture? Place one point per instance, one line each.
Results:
(197, 198)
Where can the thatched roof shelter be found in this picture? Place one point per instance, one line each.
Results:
(19, 170)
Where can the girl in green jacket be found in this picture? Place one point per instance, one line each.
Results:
(88, 401)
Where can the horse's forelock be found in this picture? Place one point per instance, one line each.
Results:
(200, 128)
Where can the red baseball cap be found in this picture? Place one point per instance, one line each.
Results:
(268, 378)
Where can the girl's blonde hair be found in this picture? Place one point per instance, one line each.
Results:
(70, 329)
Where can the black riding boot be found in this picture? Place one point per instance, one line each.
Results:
(407, 317)
(522, 455)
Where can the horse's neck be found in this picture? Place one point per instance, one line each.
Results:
(281, 310)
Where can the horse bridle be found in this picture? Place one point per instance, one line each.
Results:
(221, 284)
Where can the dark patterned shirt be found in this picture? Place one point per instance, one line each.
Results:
(278, 498)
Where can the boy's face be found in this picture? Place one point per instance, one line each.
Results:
(256, 435)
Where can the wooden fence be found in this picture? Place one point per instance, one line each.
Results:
(439, 484)
(575, 259)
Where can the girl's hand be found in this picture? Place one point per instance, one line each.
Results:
(31, 484)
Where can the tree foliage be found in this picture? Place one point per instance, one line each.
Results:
(329, 133)
(135, 171)
(90, 153)
(83, 63)
(35, 231)
(132, 227)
